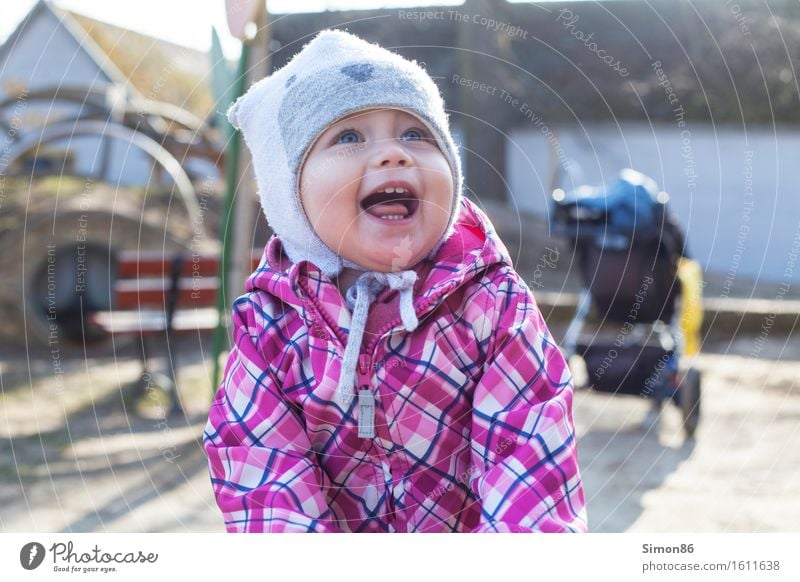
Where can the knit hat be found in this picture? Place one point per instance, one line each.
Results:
(280, 117)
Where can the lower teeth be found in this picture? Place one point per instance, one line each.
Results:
(393, 217)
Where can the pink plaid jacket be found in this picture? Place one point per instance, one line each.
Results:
(473, 410)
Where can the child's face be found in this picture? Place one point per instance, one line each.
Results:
(346, 183)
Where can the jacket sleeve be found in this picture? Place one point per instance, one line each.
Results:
(523, 436)
(265, 475)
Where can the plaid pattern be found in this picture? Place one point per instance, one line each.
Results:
(473, 419)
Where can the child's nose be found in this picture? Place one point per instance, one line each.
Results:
(391, 153)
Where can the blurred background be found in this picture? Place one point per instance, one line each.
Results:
(125, 200)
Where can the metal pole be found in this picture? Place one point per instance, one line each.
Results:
(246, 206)
(231, 174)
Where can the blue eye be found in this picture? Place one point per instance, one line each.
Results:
(348, 136)
(413, 135)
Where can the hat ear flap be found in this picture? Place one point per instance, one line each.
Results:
(233, 113)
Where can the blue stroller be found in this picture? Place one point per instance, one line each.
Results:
(639, 310)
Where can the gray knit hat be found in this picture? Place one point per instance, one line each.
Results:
(281, 116)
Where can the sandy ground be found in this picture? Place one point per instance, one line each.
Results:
(75, 457)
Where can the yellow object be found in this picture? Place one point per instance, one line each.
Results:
(691, 278)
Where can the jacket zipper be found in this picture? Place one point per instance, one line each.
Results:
(366, 424)
(366, 399)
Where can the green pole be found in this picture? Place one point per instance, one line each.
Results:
(231, 174)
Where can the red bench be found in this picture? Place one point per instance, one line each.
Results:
(155, 295)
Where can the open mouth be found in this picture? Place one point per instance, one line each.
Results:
(391, 203)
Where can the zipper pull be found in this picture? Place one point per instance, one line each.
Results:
(366, 414)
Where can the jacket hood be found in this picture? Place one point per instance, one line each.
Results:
(472, 248)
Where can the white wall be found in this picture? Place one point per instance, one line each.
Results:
(47, 56)
(736, 195)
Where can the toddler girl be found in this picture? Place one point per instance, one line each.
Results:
(390, 370)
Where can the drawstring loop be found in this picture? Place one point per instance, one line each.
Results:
(359, 297)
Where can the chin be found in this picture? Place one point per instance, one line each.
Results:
(393, 262)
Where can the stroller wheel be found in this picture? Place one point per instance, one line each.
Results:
(689, 396)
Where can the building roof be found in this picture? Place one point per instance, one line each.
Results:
(157, 69)
(149, 67)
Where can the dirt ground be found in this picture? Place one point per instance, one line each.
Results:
(76, 457)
